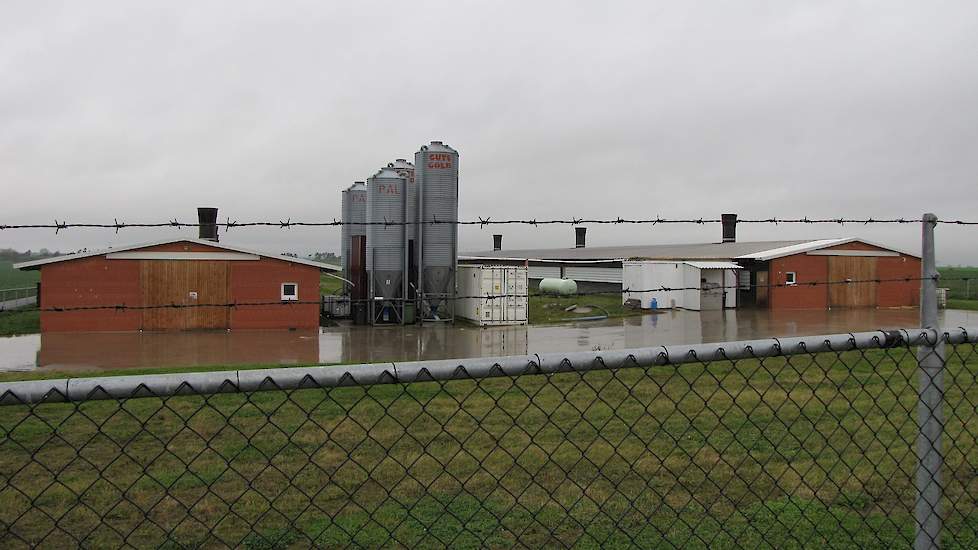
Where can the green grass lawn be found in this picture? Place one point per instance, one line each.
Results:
(800, 453)
(19, 322)
(962, 304)
(13, 278)
(329, 285)
(959, 289)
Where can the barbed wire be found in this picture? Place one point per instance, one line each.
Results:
(229, 224)
(487, 297)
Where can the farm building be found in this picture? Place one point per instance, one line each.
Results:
(181, 271)
(767, 274)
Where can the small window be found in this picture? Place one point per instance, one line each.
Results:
(790, 278)
(290, 291)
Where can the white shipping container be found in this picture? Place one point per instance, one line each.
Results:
(477, 282)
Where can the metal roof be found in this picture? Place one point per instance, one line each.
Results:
(812, 246)
(747, 250)
(705, 251)
(714, 265)
(38, 263)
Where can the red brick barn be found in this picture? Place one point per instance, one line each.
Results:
(780, 276)
(182, 272)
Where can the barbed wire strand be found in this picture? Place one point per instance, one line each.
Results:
(59, 226)
(487, 297)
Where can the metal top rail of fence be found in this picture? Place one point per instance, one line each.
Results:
(205, 383)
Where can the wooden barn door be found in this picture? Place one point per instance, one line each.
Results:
(184, 282)
(853, 268)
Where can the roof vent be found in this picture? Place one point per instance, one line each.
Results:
(729, 223)
(207, 223)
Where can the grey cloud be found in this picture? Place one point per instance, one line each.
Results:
(142, 112)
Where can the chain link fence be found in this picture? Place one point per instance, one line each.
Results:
(796, 442)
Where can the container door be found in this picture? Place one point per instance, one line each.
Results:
(512, 302)
(496, 289)
(521, 288)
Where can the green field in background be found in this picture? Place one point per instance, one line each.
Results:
(14, 278)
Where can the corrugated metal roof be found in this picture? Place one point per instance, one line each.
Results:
(705, 251)
(714, 265)
(38, 263)
(756, 250)
(812, 246)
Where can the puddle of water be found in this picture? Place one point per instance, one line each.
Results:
(349, 344)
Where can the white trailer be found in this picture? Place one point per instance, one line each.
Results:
(693, 285)
(474, 283)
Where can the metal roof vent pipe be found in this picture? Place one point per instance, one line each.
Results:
(207, 223)
(579, 233)
(497, 242)
(729, 223)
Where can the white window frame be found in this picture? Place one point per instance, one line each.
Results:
(790, 278)
(290, 297)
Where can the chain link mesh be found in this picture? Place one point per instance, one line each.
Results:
(807, 450)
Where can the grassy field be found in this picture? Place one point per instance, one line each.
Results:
(961, 294)
(329, 285)
(13, 278)
(960, 289)
(19, 322)
(962, 304)
(792, 454)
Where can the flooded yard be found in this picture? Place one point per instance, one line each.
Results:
(349, 344)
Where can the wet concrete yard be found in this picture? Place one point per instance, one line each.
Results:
(349, 344)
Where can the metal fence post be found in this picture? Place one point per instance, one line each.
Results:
(930, 361)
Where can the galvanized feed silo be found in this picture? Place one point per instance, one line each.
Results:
(357, 248)
(345, 236)
(354, 212)
(386, 209)
(357, 194)
(436, 167)
(406, 169)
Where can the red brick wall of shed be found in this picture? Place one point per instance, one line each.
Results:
(96, 281)
(261, 281)
(815, 268)
(896, 293)
(902, 293)
(807, 269)
(91, 281)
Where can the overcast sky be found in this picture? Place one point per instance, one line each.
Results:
(635, 109)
